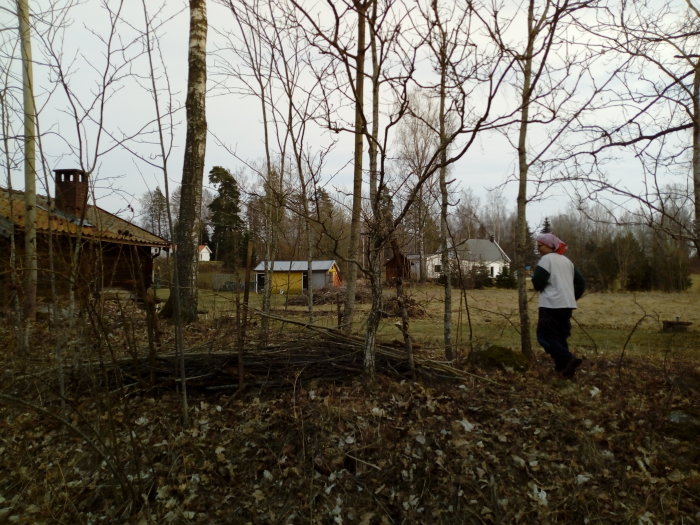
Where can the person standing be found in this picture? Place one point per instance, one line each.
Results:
(559, 284)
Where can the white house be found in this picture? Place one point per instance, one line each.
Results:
(471, 253)
(203, 253)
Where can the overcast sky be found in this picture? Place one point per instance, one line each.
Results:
(234, 119)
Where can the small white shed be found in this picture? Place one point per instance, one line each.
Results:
(203, 253)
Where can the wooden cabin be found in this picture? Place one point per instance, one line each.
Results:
(78, 245)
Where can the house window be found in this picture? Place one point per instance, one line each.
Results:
(493, 271)
(438, 268)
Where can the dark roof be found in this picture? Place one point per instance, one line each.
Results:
(296, 266)
(98, 224)
(481, 250)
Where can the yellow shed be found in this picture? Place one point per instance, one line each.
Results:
(291, 277)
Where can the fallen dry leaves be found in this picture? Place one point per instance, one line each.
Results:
(518, 448)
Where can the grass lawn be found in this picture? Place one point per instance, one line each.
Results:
(603, 323)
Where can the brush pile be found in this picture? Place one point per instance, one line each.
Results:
(323, 354)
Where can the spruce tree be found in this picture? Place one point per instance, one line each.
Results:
(225, 217)
(546, 226)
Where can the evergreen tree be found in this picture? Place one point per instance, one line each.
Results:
(228, 234)
(546, 226)
(505, 279)
(640, 275)
(204, 237)
(478, 277)
(603, 267)
(671, 265)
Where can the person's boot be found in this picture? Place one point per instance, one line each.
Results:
(570, 368)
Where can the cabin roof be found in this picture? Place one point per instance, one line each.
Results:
(98, 224)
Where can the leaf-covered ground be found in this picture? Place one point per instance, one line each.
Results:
(619, 444)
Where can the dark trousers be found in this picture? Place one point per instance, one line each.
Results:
(553, 329)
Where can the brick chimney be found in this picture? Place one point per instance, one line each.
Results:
(71, 191)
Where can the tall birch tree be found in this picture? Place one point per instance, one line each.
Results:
(30, 255)
(188, 225)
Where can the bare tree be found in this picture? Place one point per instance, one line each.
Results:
(295, 115)
(656, 114)
(159, 204)
(494, 214)
(415, 143)
(466, 81)
(444, 44)
(554, 78)
(393, 54)
(361, 7)
(466, 218)
(341, 69)
(154, 213)
(253, 67)
(444, 33)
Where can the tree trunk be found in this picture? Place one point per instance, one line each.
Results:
(309, 269)
(30, 256)
(403, 311)
(444, 204)
(422, 266)
(375, 312)
(188, 224)
(696, 153)
(243, 314)
(355, 222)
(523, 242)
(376, 237)
(303, 187)
(270, 226)
(272, 211)
(447, 272)
(376, 231)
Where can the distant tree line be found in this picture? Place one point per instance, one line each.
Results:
(612, 253)
(629, 257)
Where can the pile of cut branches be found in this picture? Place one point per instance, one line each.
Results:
(316, 353)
